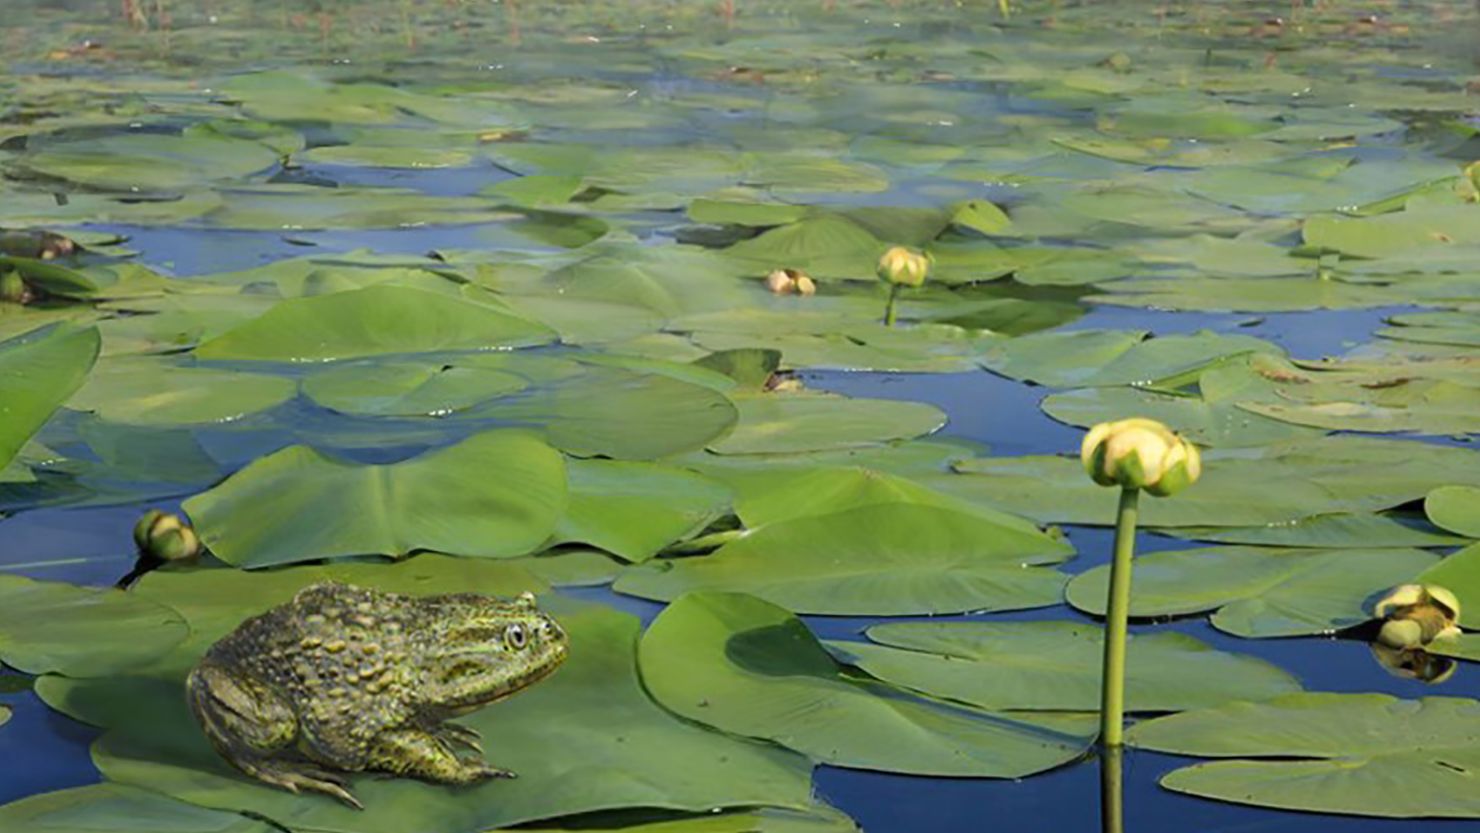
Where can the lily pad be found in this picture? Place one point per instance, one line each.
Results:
(372, 321)
(38, 372)
(52, 627)
(161, 392)
(408, 388)
(1056, 666)
(1258, 591)
(633, 755)
(888, 559)
(1339, 529)
(1089, 358)
(496, 494)
(140, 161)
(779, 422)
(633, 510)
(1364, 754)
(747, 667)
(1455, 508)
(1460, 573)
(113, 808)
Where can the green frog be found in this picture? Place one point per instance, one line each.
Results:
(344, 678)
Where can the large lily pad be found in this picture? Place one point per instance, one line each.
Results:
(1258, 591)
(881, 560)
(38, 372)
(140, 161)
(1455, 508)
(1056, 666)
(636, 509)
(409, 388)
(496, 494)
(775, 422)
(155, 392)
(372, 321)
(1366, 754)
(113, 808)
(1460, 573)
(631, 754)
(747, 667)
(48, 627)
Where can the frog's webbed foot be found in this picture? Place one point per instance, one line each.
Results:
(296, 777)
(417, 753)
(453, 735)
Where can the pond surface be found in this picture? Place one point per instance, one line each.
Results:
(394, 229)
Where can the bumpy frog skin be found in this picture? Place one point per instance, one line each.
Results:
(351, 679)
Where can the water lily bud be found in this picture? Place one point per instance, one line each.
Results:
(13, 288)
(166, 537)
(1414, 663)
(1416, 614)
(1140, 453)
(780, 283)
(903, 266)
(805, 286)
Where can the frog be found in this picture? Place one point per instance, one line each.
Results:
(345, 679)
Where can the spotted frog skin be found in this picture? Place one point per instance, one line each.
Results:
(344, 678)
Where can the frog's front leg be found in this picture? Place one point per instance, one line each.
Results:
(418, 753)
(255, 729)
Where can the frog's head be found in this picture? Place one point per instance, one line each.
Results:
(484, 649)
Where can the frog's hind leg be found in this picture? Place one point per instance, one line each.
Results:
(418, 753)
(255, 729)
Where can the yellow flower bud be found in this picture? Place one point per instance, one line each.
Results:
(903, 266)
(1140, 453)
(787, 281)
(165, 537)
(805, 285)
(1415, 615)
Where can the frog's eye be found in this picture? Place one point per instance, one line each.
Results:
(515, 636)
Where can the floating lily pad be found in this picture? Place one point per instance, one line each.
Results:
(1088, 358)
(158, 392)
(40, 371)
(153, 740)
(409, 389)
(1340, 529)
(53, 627)
(1460, 573)
(372, 321)
(1056, 666)
(113, 808)
(1257, 591)
(1364, 754)
(822, 819)
(779, 422)
(747, 667)
(141, 161)
(888, 559)
(497, 494)
(1455, 508)
(636, 509)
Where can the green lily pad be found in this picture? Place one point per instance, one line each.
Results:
(135, 162)
(1056, 666)
(1465, 646)
(888, 559)
(494, 495)
(826, 246)
(113, 808)
(1455, 508)
(1459, 573)
(822, 819)
(1090, 358)
(372, 321)
(408, 388)
(1258, 591)
(1363, 754)
(285, 207)
(634, 754)
(1201, 419)
(51, 627)
(39, 371)
(747, 667)
(161, 392)
(634, 510)
(1339, 529)
(779, 422)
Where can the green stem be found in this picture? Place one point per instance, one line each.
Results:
(889, 309)
(1111, 816)
(1112, 694)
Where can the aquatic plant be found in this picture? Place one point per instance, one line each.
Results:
(901, 267)
(1135, 454)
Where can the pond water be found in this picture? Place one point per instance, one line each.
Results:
(1255, 221)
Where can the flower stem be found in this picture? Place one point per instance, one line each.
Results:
(1112, 693)
(1111, 783)
(889, 309)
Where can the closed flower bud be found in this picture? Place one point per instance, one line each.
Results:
(165, 537)
(805, 286)
(780, 283)
(1416, 614)
(13, 288)
(903, 266)
(1140, 454)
